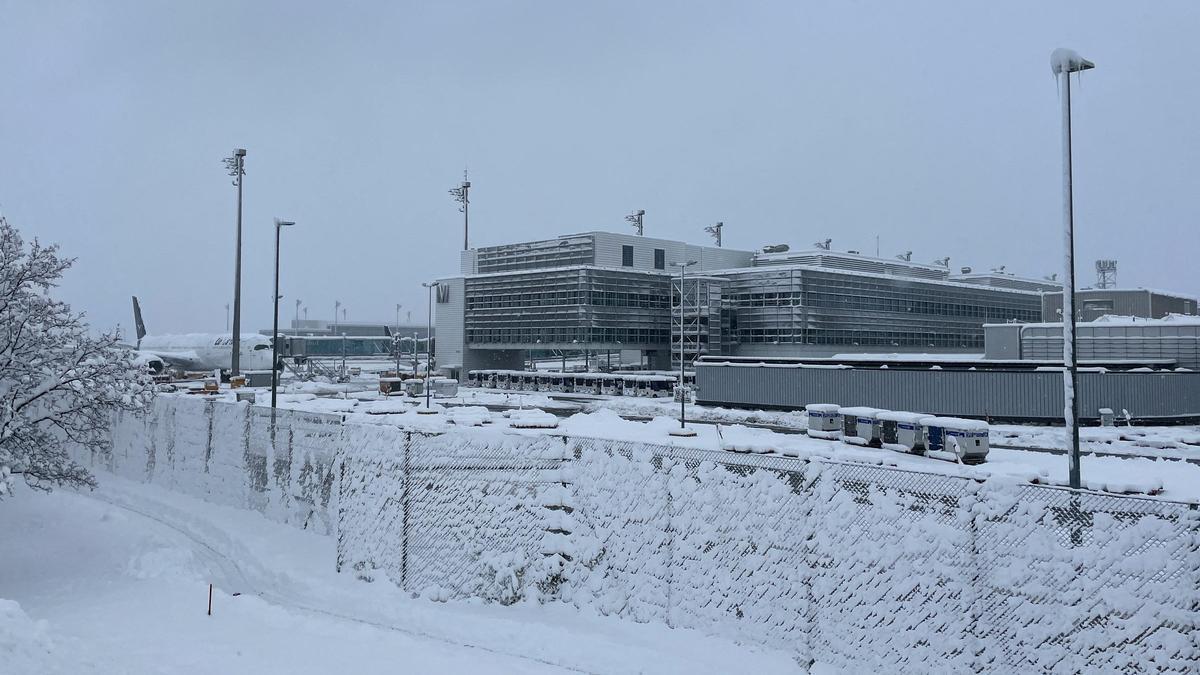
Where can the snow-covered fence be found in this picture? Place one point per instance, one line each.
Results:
(451, 515)
(879, 569)
(227, 454)
(868, 567)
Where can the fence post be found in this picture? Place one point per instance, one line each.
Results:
(406, 483)
(670, 542)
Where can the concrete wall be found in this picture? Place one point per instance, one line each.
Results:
(449, 319)
(608, 253)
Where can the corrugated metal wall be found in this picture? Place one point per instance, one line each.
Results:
(1026, 395)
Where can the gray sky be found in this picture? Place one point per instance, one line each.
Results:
(932, 125)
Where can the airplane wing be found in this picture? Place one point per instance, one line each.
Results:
(186, 360)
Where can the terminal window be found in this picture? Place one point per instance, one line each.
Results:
(660, 259)
(627, 256)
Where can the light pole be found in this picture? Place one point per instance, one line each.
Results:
(236, 164)
(428, 332)
(1064, 62)
(279, 225)
(462, 195)
(398, 317)
(715, 231)
(337, 307)
(227, 316)
(682, 430)
(297, 324)
(637, 219)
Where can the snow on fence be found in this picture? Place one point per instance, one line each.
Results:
(225, 453)
(866, 567)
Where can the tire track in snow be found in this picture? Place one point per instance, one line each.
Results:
(235, 577)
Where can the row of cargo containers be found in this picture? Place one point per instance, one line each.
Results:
(948, 438)
(439, 387)
(610, 384)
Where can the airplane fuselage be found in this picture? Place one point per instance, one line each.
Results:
(209, 351)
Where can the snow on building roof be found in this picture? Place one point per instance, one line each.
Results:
(1114, 320)
(873, 275)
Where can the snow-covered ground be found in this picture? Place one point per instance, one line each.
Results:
(1153, 467)
(1167, 442)
(116, 581)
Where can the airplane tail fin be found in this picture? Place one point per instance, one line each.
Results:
(137, 321)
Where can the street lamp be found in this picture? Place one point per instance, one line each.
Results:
(297, 325)
(236, 164)
(279, 225)
(532, 363)
(1064, 62)
(682, 393)
(337, 306)
(428, 332)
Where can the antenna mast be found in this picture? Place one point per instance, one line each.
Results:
(1106, 274)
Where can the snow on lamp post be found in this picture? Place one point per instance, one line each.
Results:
(428, 352)
(638, 220)
(681, 392)
(462, 195)
(1064, 62)
(236, 164)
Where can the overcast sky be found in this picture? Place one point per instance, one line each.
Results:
(935, 126)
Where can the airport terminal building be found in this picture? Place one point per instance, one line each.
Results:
(602, 292)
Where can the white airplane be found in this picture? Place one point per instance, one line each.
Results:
(199, 351)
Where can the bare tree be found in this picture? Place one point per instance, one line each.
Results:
(58, 384)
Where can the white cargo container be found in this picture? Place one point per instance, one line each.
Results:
(860, 425)
(956, 439)
(824, 420)
(901, 431)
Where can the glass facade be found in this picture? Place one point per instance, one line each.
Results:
(825, 307)
(599, 308)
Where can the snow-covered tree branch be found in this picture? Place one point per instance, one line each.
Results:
(58, 384)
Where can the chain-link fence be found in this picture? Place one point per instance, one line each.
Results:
(445, 515)
(864, 566)
(878, 568)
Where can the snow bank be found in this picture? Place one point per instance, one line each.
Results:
(25, 646)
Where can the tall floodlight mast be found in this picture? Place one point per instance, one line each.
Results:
(715, 231)
(236, 165)
(462, 195)
(637, 219)
(1106, 274)
(1064, 62)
